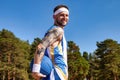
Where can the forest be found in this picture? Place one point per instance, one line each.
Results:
(102, 64)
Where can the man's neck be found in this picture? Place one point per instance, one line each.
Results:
(59, 25)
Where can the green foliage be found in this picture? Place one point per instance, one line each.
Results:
(107, 59)
(14, 55)
(77, 66)
(73, 48)
(33, 47)
(85, 55)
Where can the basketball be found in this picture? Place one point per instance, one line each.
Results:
(46, 65)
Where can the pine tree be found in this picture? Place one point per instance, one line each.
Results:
(108, 60)
(77, 65)
(14, 55)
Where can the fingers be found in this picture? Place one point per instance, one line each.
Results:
(42, 75)
(37, 76)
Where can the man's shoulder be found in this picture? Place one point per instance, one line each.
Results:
(56, 29)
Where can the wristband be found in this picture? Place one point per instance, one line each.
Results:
(36, 68)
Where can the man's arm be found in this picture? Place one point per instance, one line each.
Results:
(48, 40)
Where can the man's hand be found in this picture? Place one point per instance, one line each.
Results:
(37, 76)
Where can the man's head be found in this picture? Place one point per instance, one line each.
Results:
(61, 15)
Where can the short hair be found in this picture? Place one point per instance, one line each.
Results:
(59, 6)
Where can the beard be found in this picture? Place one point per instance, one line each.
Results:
(60, 23)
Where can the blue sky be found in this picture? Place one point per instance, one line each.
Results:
(90, 20)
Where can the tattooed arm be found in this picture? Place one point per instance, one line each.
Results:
(52, 36)
(48, 40)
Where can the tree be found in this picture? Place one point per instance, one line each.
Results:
(73, 48)
(33, 46)
(108, 60)
(14, 55)
(85, 55)
(78, 67)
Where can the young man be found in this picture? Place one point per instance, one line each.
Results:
(54, 46)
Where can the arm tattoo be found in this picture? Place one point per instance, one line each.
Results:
(40, 51)
(49, 39)
(52, 36)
